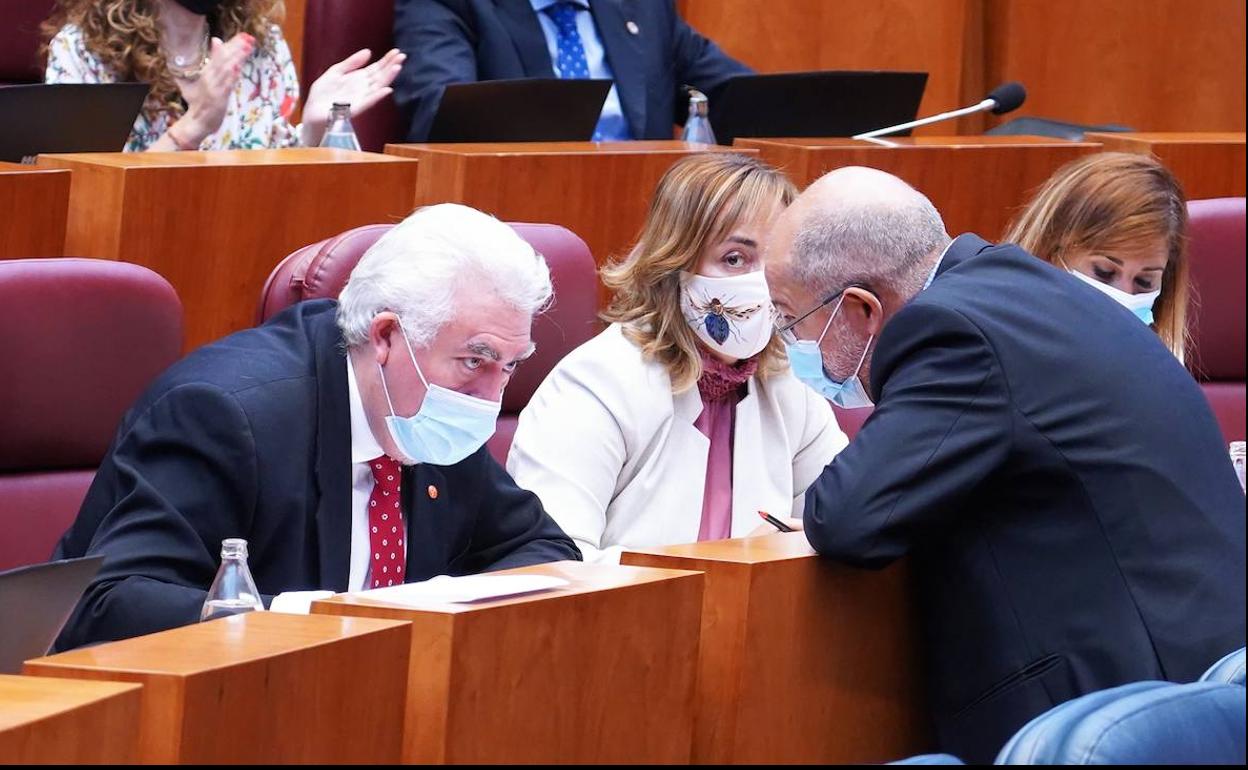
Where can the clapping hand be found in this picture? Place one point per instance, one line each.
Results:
(349, 82)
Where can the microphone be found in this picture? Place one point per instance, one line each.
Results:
(1002, 99)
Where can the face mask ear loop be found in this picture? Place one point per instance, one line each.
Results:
(863, 357)
(831, 318)
(412, 353)
(385, 389)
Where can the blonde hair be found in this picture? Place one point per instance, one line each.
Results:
(125, 36)
(1109, 201)
(698, 202)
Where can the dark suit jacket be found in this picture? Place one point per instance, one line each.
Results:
(463, 41)
(251, 437)
(1072, 515)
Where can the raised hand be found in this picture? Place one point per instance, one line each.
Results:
(208, 95)
(349, 82)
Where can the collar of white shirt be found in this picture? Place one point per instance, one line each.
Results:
(936, 267)
(541, 5)
(364, 446)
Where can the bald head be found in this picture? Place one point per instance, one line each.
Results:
(859, 236)
(859, 225)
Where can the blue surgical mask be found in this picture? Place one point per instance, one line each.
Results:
(1141, 305)
(448, 427)
(807, 364)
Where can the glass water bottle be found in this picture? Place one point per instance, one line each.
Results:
(233, 591)
(338, 131)
(698, 125)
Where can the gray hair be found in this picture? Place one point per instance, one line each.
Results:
(418, 268)
(868, 227)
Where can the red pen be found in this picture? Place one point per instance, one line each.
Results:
(773, 521)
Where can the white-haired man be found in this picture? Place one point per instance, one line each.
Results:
(342, 440)
(1055, 474)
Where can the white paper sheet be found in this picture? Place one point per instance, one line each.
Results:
(297, 602)
(468, 588)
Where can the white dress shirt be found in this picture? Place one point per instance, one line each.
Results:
(364, 447)
(612, 124)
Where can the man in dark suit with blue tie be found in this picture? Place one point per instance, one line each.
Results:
(342, 440)
(1056, 476)
(642, 45)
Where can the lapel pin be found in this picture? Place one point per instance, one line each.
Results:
(632, 28)
(433, 492)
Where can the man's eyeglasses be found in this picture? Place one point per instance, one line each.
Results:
(785, 331)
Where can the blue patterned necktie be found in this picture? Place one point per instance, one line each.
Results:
(572, 63)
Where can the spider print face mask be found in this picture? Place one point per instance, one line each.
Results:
(732, 315)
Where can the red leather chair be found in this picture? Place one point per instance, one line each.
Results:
(20, 38)
(1216, 250)
(321, 270)
(335, 29)
(80, 339)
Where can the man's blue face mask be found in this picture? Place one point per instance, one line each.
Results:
(806, 361)
(447, 428)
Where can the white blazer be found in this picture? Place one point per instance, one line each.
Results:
(615, 458)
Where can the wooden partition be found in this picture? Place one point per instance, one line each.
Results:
(930, 36)
(802, 660)
(67, 721)
(215, 224)
(1154, 65)
(33, 206)
(600, 191)
(259, 688)
(292, 30)
(977, 183)
(1208, 165)
(601, 671)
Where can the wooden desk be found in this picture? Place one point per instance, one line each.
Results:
(978, 183)
(600, 191)
(600, 671)
(802, 660)
(259, 688)
(216, 223)
(1209, 165)
(66, 721)
(33, 205)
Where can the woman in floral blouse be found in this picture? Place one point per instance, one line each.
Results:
(206, 94)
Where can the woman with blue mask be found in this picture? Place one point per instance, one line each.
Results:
(681, 421)
(1118, 223)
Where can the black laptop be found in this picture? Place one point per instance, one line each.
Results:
(528, 110)
(69, 117)
(800, 104)
(35, 602)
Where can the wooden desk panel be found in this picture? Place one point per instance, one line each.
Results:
(802, 660)
(67, 721)
(600, 191)
(33, 206)
(259, 688)
(600, 671)
(1208, 165)
(216, 223)
(292, 30)
(1156, 65)
(939, 37)
(977, 183)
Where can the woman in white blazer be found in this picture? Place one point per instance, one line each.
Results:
(681, 421)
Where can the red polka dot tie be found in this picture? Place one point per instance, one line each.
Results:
(385, 524)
